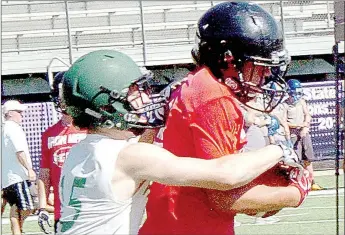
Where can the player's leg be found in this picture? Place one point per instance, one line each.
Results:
(23, 214)
(296, 142)
(3, 202)
(24, 205)
(14, 218)
(308, 155)
(9, 194)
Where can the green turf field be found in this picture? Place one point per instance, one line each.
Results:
(316, 216)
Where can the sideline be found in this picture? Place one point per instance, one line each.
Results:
(327, 192)
(30, 218)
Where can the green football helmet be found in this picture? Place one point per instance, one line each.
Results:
(97, 84)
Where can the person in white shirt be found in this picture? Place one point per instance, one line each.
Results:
(17, 172)
(105, 179)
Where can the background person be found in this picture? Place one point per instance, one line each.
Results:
(57, 140)
(280, 112)
(17, 173)
(298, 119)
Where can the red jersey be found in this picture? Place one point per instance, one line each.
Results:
(57, 140)
(204, 122)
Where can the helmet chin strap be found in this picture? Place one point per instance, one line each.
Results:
(244, 92)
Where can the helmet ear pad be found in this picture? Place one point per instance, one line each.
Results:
(217, 56)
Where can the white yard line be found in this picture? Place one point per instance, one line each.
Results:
(291, 215)
(30, 218)
(296, 222)
(327, 192)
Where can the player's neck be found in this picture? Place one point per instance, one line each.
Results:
(66, 120)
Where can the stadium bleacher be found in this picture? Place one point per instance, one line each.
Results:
(30, 26)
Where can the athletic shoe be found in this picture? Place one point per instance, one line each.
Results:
(316, 187)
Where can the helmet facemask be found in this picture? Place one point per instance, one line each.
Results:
(147, 107)
(296, 95)
(248, 82)
(254, 80)
(57, 94)
(295, 90)
(57, 98)
(143, 107)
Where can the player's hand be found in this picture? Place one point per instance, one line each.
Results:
(289, 144)
(290, 157)
(303, 184)
(44, 221)
(267, 120)
(31, 175)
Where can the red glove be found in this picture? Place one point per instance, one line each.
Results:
(301, 181)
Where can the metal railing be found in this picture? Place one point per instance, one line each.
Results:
(82, 25)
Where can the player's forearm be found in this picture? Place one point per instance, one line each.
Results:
(286, 130)
(22, 160)
(245, 167)
(262, 198)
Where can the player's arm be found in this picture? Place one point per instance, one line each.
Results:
(222, 118)
(44, 184)
(149, 162)
(285, 124)
(307, 116)
(22, 158)
(252, 199)
(263, 194)
(19, 141)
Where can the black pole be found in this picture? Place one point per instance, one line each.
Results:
(338, 135)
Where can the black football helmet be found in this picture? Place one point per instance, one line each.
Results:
(56, 92)
(247, 32)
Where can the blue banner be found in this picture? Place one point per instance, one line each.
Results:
(321, 99)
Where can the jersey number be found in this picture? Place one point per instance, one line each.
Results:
(73, 202)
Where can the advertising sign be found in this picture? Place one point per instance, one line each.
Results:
(321, 99)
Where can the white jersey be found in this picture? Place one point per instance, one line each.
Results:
(88, 205)
(13, 140)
